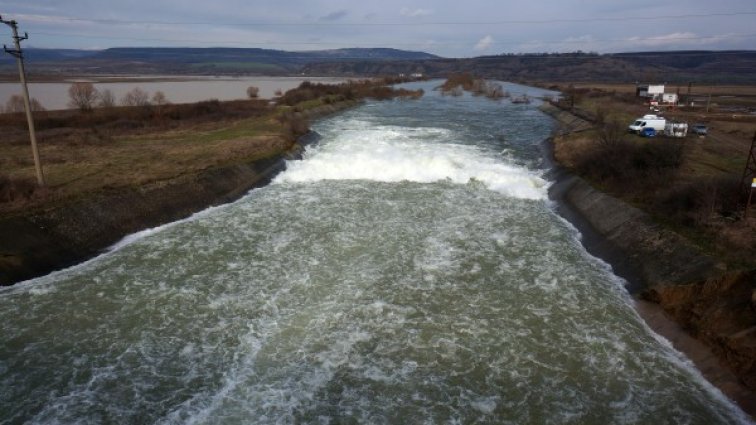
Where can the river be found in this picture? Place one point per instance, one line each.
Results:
(410, 269)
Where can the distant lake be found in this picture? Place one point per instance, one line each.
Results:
(54, 95)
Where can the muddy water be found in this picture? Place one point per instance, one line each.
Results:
(54, 95)
(409, 270)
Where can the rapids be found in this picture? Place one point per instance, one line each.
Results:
(410, 269)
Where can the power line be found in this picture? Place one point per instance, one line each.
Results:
(419, 45)
(413, 24)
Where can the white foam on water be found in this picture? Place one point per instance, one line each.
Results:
(349, 301)
(396, 154)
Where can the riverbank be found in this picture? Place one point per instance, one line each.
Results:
(51, 237)
(115, 171)
(663, 267)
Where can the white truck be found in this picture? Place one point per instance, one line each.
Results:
(648, 121)
(676, 129)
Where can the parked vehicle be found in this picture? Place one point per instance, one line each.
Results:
(648, 121)
(676, 129)
(700, 129)
(648, 132)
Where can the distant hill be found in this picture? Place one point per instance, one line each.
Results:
(170, 60)
(47, 55)
(679, 66)
(730, 67)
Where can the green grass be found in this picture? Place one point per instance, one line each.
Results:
(253, 127)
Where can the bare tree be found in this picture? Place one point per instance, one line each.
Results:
(611, 132)
(83, 96)
(36, 106)
(573, 95)
(136, 97)
(107, 99)
(253, 92)
(16, 104)
(159, 99)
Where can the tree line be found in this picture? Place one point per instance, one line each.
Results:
(85, 97)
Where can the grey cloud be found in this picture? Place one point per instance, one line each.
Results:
(589, 25)
(334, 16)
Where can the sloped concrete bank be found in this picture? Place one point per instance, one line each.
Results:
(683, 294)
(35, 244)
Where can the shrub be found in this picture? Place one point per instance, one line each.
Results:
(82, 96)
(697, 203)
(159, 99)
(294, 124)
(107, 99)
(631, 166)
(16, 104)
(464, 80)
(136, 97)
(16, 189)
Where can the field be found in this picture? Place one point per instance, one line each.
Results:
(132, 146)
(691, 184)
(109, 148)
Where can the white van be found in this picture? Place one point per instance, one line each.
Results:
(648, 121)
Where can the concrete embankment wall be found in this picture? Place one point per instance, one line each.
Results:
(712, 304)
(45, 240)
(658, 256)
(38, 243)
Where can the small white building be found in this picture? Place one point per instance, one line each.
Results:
(669, 98)
(649, 90)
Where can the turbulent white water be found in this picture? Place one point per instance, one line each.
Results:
(362, 151)
(409, 270)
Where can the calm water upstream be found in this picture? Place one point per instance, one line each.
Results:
(182, 90)
(409, 270)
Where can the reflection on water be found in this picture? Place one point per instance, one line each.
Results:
(179, 90)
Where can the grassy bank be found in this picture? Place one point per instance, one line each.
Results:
(673, 217)
(690, 185)
(126, 147)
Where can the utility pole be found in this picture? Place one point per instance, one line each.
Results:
(19, 55)
(690, 85)
(749, 175)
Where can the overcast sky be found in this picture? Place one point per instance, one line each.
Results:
(446, 28)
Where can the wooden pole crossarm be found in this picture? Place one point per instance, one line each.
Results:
(18, 54)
